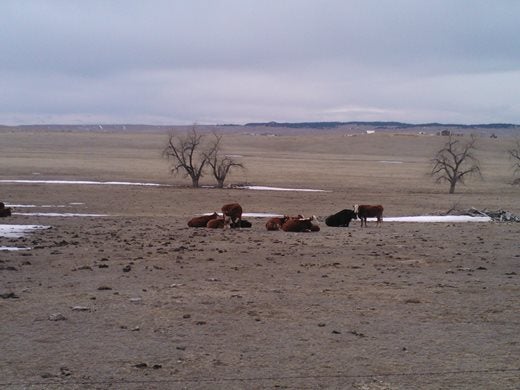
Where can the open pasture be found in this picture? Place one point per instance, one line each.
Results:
(137, 300)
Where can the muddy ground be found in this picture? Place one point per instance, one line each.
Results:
(137, 300)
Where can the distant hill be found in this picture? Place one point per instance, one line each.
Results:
(393, 125)
(504, 129)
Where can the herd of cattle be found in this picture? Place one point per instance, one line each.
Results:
(232, 218)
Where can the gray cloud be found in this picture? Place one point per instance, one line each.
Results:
(244, 60)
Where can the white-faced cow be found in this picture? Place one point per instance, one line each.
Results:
(300, 225)
(202, 220)
(232, 213)
(365, 211)
(341, 218)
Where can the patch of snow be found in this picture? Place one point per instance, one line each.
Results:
(16, 231)
(14, 248)
(263, 188)
(33, 205)
(122, 183)
(62, 214)
(420, 218)
(254, 215)
(261, 215)
(436, 218)
(390, 162)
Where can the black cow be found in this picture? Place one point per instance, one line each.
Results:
(341, 218)
(242, 224)
(4, 211)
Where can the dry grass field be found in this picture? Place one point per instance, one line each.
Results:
(137, 300)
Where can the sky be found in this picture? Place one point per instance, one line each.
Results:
(176, 62)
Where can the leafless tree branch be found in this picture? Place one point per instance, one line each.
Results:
(187, 155)
(220, 164)
(514, 153)
(455, 161)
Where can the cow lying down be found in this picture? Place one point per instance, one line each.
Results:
(300, 225)
(221, 223)
(202, 221)
(243, 224)
(276, 223)
(341, 218)
(4, 211)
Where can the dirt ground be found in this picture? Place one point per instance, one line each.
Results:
(137, 300)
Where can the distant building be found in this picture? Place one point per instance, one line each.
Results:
(444, 133)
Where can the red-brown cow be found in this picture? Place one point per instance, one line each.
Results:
(232, 213)
(300, 225)
(201, 221)
(276, 223)
(218, 223)
(365, 211)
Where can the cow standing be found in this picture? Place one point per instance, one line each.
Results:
(341, 218)
(232, 214)
(365, 211)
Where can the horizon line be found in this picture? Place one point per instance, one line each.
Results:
(277, 124)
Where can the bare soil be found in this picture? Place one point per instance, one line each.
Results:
(137, 300)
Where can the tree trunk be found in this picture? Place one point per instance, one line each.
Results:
(195, 182)
(452, 187)
(220, 183)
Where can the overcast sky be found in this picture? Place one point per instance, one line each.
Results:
(238, 61)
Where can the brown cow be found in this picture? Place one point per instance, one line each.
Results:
(300, 225)
(202, 220)
(233, 213)
(218, 223)
(275, 223)
(365, 211)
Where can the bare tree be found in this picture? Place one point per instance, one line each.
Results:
(455, 161)
(514, 153)
(187, 155)
(220, 164)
